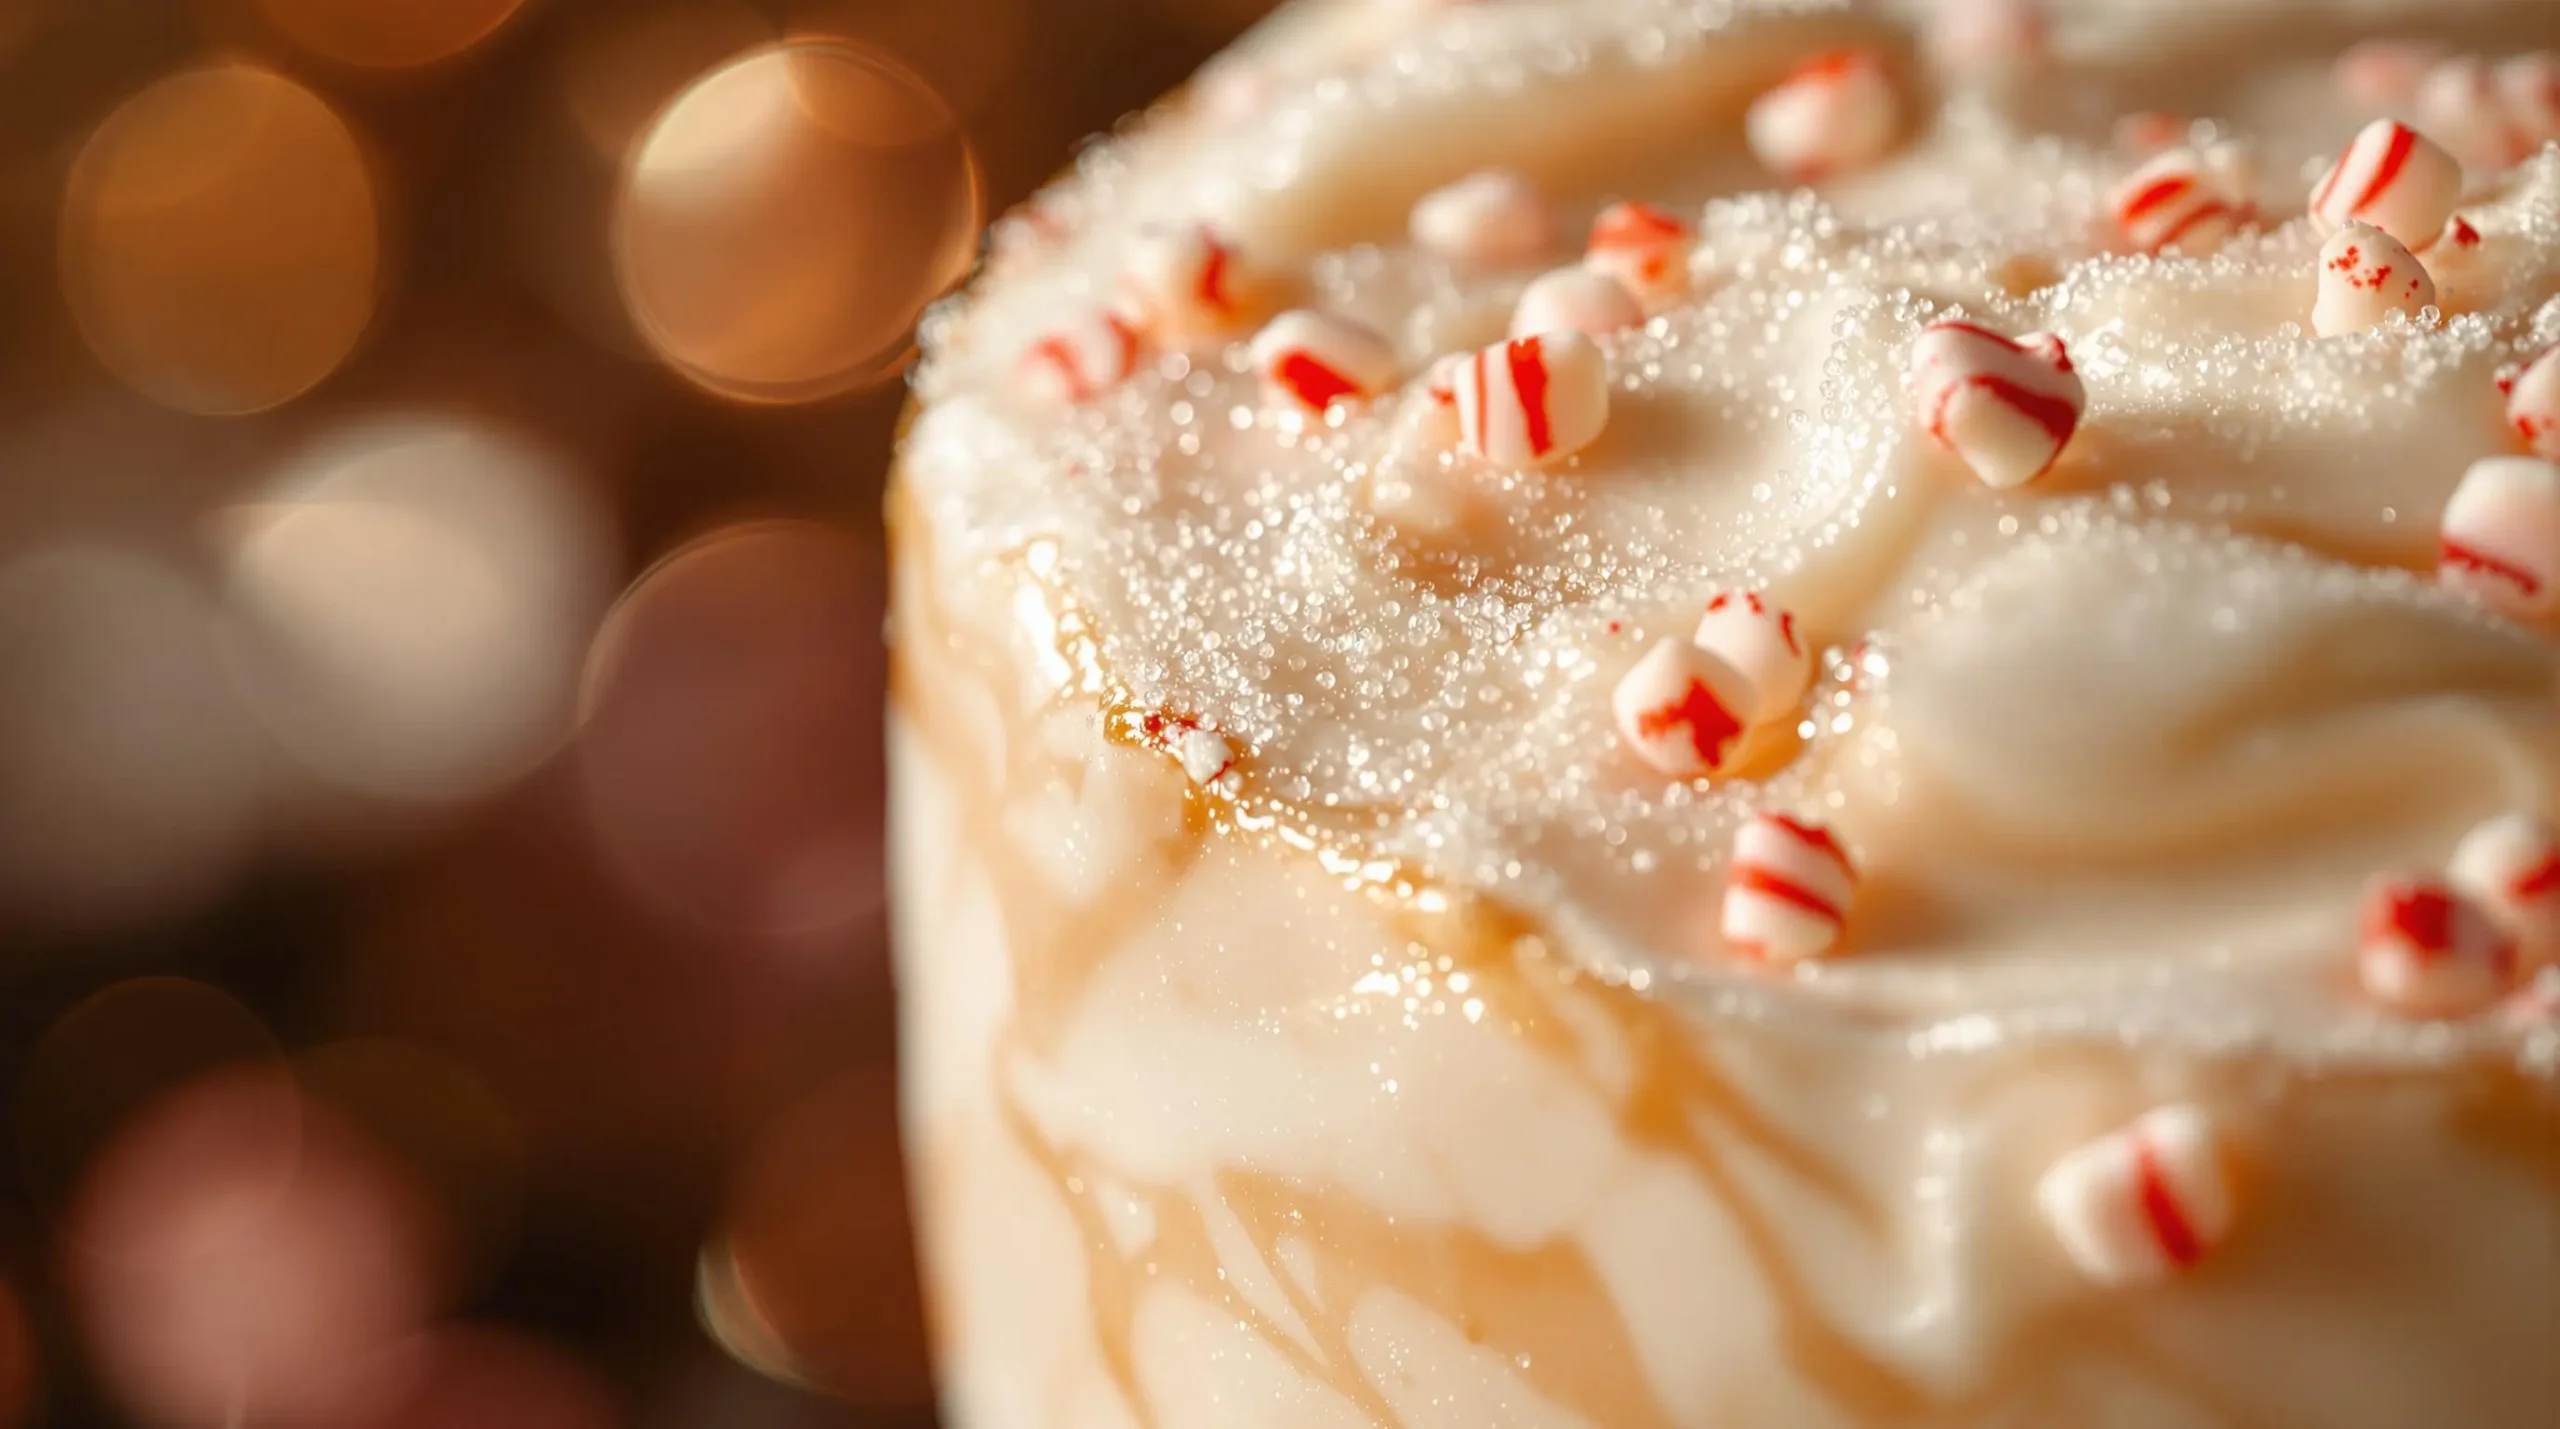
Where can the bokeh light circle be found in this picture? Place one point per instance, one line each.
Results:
(441, 1127)
(239, 1252)
(781, 224)
(221, 240)
(388, 34)
(130, 784)
(110, 1056)
(407, 606)
(729, 745)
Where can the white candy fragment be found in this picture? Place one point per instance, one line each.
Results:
(1835, 113)
(1088, 355)
(1575, 300)
(2510, 866)
(2006, 406)
(1312, 360)
(1757, 637)
(2384, 74)
(2365, 276)
(1181, 284)
(2426, 951)
(1205, 755)
(1681, 709)
(1490, 220)
(2501, 539)
(2183, 201)
(2533, 405)
(2140, 1204)
(1646, 249)
(1533, 400)
(2394, 178)
(1787, 896)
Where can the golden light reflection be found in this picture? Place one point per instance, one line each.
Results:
(783, 222)
(408, 603)
(966, 50)
(129, 778)
(622, 64)
(387, 34)
(727, 746)
(786, 1286)
(220, 240)
(113, 1054)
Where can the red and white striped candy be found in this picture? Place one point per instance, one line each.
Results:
(2384, 74)
(1312, 360)
(2501, 539)
(1533, 400)
(2533, 405)
(2427, 951)
(2007, 407)
(1646, 249)
(2179, 202)
(1757, 636)
(1575, 300)
(1490, 220)
(1681, 709)
(2529, 95)
(1184, 283)
(2365, 276)
(1089, 355)
(1787, 896)
(2138, 1205)
(2510, 866)
(2394, 178)
(1835, 113)
(1973, 35)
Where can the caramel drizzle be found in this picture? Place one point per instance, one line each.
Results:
(1545, 1309)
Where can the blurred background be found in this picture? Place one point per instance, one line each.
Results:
(442, 936)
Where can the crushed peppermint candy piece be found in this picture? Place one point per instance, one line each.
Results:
(2181, 201)
(1187, 283)
(1757, 636)
(1644, 248)
(2533, 405)
(2529, 94)
(1313, 360)
(1205, 755)
(2006, 406)
(1967, 36)
(2427, 951)
(1681, 709)
(2140, 1204)
(2501, 538)
(2384, 74)
(1490, 220)
(2365, 276)
(1089, 355)
(2391, 177)
(1533, 400)
(1787, 896)
(1835, 113)
(2510, 866)
(1575, 300)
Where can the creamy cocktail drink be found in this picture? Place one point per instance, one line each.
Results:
(1752, 716)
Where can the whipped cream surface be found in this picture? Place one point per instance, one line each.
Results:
(2116, 750)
